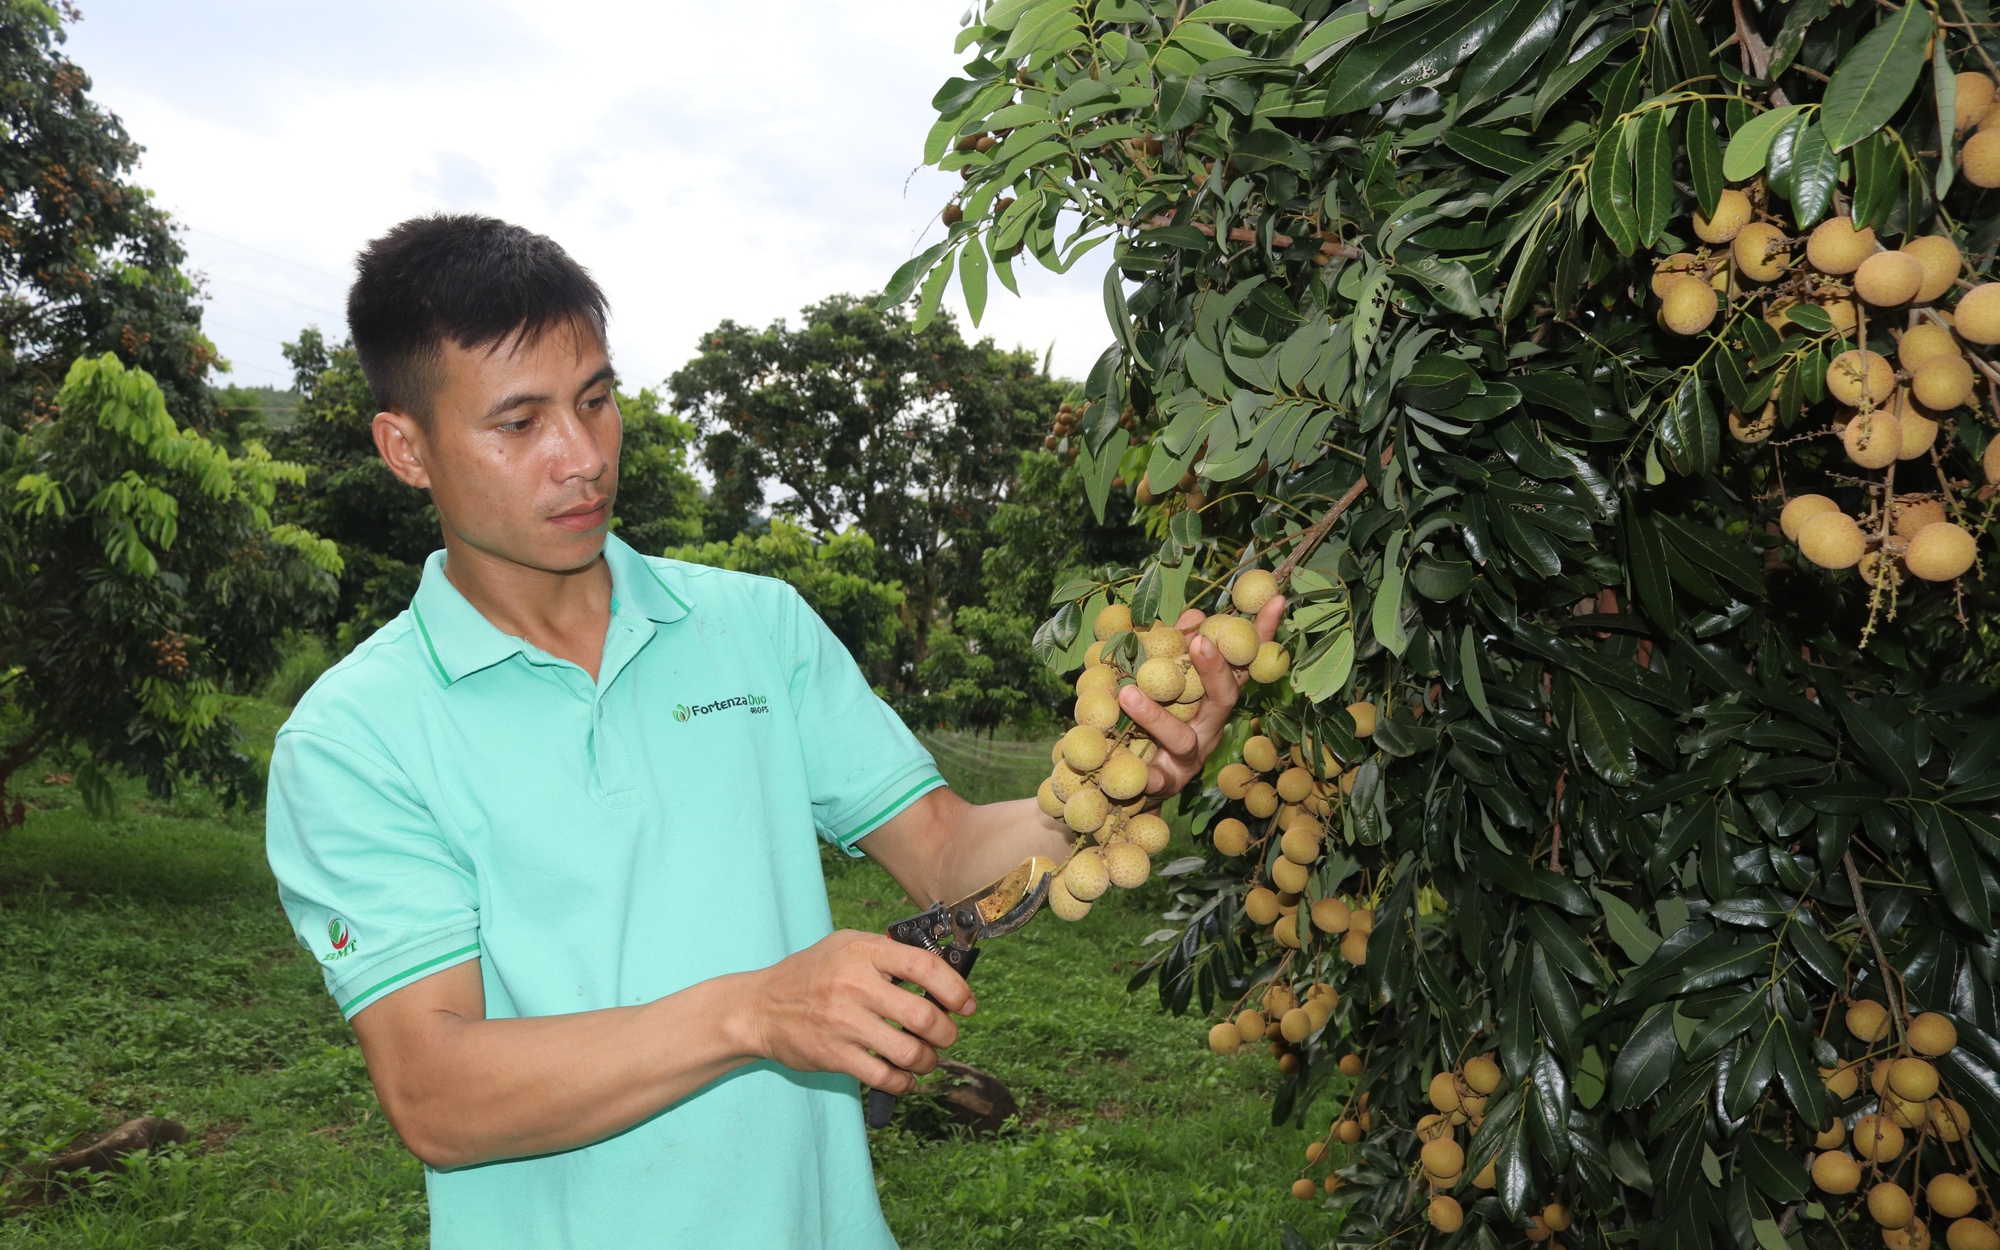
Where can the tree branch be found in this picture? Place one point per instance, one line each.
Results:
(1890, 987)
(1311, 537)
(1244, 234)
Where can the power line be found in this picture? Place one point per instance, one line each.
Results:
(319, 308)
(261, 252)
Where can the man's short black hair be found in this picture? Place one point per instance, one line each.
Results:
(459, 277)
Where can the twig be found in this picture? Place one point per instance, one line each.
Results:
(1244, 234)
(1320, 527)
(1897, 1007)
(1755, 53)
(1977, 46)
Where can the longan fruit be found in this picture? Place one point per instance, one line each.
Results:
(1045, 798)
(1950, 1196)
(1972, 98)
(1111, 619)
(1445, 1214)
(1260, 753)
(1831, 1138)
(1879, 568)
(1977, 316)
(1924, 342)
(1127, 865)
(1878, 1076)
(1278, 1000)
(1296, 1025)
(1161, 679)
(1919, 434)
(1915, 1236)
(1443, 1157)
(1098, 709)
(1271, 662)
(1230, 836)
(1163, 640)
(1556, 1216)
(1192, 688)
(1802, 508)
(1968, 1233)
(1888, 279)
(1889, 1205)
(1673, 269)
(1942, 383)
(1537, 1231)
(1364, 719)
(1065, 905)
(1930, 1033)
(1867, 1020)
(1843, 315)
(1753, 430)
(1085, 749)
(1294, 784)
(1940, 552)
(1914, 1079)
(1330, 915)
(1940, 259)
(1065, 781)
(1760, 251)
(1688, 307)
(1832, 540)
(1097, 679)
(1085, 876)
(1364, 919)
(1093, 654)
(1732, 213)
(1224, 1039)
(1910, 518)
(1123, 776)
(1288, 1063)
(1315, 1151)
(1444, 1092)
(1873, 439)
(1836, 1172)
(1289, 875)
(1482, 1074)
(1261, 905)
(1980, 159)
(1304, 1190)
(1877, 1138)
(1990, 462)
(1250, 1024)
(1085, 813)
(1253, 589)
(1348, 1131)
(1235, 780)
(1149, 833)
(1350, 1064)
(1299, 845)
(1286, 932)
(1234, 636)
(1836, 247)
(1855, 373)
(1261, 800)
(1354, 947)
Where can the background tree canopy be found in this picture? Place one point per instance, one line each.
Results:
(1580, 795)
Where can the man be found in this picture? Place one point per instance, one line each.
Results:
(551, 832)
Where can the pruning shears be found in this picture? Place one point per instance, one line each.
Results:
(952, 932)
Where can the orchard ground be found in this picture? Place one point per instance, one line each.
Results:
(145, 968)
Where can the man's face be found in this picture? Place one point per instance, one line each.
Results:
(521, 452)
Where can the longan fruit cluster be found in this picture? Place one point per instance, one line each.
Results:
(1285, 1017)
(1910, 1109)
(1347, 1128)
(1979, 156)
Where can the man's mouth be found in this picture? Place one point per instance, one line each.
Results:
(584, 516)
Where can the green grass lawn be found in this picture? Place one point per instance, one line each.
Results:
(145, 968)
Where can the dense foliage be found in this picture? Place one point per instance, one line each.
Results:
(1592, 772)
(141, 578)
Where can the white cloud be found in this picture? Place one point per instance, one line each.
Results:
(706, 161)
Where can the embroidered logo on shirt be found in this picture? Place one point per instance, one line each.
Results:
(341, 938)
(755, 702)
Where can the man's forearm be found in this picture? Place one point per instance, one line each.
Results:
(530, 1086)
(951, 847)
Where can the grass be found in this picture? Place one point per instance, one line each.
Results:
(145, 968)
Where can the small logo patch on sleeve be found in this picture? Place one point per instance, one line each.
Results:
(340, 938)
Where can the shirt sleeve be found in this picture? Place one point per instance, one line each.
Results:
(863, 765)
(366, 878)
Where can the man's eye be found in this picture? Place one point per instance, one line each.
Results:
(518, 427)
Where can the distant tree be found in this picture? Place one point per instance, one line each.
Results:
(913, 436)
(88, 263)
(385, 529)
(837, 574)
(982, 672)
(141, 578)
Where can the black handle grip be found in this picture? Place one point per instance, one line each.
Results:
(881, 1103)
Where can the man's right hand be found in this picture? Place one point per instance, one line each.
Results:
(828, 1007)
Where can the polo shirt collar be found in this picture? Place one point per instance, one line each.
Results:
(459, 641)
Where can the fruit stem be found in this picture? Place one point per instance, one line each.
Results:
(1311, 537)
(1891, 988)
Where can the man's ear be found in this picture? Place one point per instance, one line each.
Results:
(400, 440)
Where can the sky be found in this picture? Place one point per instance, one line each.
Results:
(706, 161)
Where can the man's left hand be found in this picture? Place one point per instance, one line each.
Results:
(1185, 745)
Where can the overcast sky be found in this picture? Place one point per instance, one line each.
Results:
(704, 160)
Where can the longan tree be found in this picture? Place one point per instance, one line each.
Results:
(1597, 864)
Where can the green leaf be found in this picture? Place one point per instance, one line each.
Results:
(1386, 616)
(1326, 668)
(1960, 875)
(972, 278)
(1689, 430)
(1815, 170)
(933, 292)
(1653, 161)
(1878, 179)
(1450, 282)
(1565, 947)
(1564, 78)
(1512, 51)
(1202, 41)
(1555, 1004)
(1344, 24)
(1611, 190)
(904, 280)
(1407, 54)
(1750, 146)
(1771, 1168)
(1468, 667)
(1252, 14)
(1876, 76)
(1704, 152)
(1101, 469)
(1628, 928)
(1645, 1061)
(1880, 745)
(1602, 733)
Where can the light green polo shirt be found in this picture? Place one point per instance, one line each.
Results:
(449, 792)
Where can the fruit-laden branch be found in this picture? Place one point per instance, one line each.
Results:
(1898, 1010)
(1325, 523)
(1244, 234)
